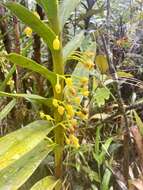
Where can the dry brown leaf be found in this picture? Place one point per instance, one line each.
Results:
(137, 183)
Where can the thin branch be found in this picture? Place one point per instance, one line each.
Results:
(120, 104)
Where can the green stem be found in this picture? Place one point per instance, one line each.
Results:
(59, 131)
(58, 66)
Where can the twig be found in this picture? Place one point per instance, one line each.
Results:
(121, 110)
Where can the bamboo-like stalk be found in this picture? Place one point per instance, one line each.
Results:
(58, 67)
(59, 131)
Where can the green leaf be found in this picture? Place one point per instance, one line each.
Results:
(30, 97)
(16, 174)
(105, 148)
(72, 45)
(66, 8)
(139, 122)
(91, 174)
(5, 111)
(4, 83)
(102, 63)
(124, 74)
(16, 144)
(32, 65)
(106, 180)
(51, 9)
(101, 95)
(48, 183)
(33, 21)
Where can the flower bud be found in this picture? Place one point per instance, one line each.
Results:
(56, 43)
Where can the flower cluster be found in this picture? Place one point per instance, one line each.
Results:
(59, 106)
(73, 140)
(74, 112)
(70, 109)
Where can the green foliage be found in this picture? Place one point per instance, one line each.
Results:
(22, 152)
(29, 97)
(48, 183)
(18, 143)
(101, 95)
(102, 63)
(72, 45)
(5, 111)
(93, 176)
(106, 180)
(139, 122)
(32, 65)
(18, 172)
(66, 9)
(51, 9)
(34, 22)
(101, 150)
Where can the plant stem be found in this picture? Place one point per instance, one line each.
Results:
(59, 131)
(58, 66)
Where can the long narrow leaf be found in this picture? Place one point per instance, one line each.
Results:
(73, 45)
(5, 111)
(17, 173)
(32, 65)
(16, 144)
(105, 148)
(66, 8)
(32, 21)
(30, 97)
(51, 9)
(47, 183)
(139, 122)
(106, 180)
